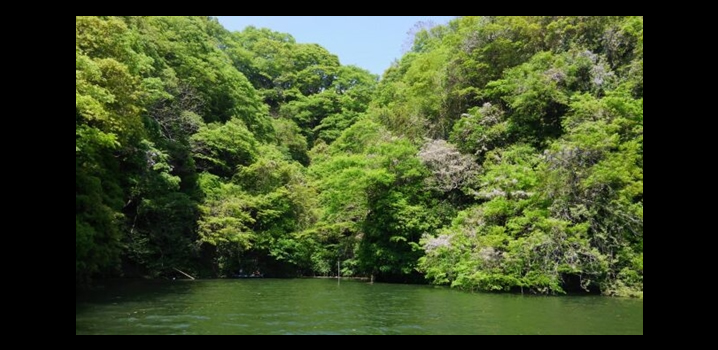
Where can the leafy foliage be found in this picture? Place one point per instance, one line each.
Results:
(498, 154)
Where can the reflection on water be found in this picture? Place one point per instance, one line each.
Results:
(321, 306)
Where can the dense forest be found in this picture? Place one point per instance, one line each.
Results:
(498, 154)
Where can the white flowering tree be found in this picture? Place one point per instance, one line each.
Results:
(450, 169)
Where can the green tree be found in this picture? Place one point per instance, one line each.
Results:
(498, 154)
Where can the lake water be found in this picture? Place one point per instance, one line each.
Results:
(323, 306)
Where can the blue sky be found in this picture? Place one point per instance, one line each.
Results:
(368, 42)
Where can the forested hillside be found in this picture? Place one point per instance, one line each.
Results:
(498, 154)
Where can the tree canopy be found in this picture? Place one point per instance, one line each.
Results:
(498, 154)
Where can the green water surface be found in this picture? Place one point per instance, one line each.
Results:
(324, 306)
